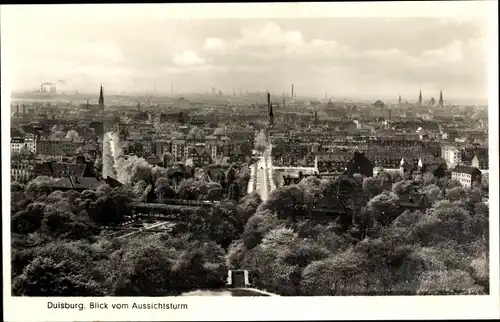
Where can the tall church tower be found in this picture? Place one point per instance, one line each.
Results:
(420, 98)
(270, 109)
(441, 99)
(101, 100)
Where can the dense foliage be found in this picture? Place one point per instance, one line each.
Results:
(386, 249)
(61, 245)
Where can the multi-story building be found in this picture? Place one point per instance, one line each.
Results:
(335, 162)
(30, 143)
(200, 156)
(22, 166)
(59, 147)
(16, 144)
(140, 145)
(162, 146)
(451, 155)
(179, 149)
(466, 175)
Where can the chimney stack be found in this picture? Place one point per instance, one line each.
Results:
(315, 118)
(24, 110)
(292, 92)
(17, 112)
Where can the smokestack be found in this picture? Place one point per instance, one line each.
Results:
(284, 101)
(292, 92)
(17, 112)
(24, 110)
(315, 118)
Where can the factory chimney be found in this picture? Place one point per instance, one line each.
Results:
(17, 112)
(24, 111)
(292, 92)
(315, 118)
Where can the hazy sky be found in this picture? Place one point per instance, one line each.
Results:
(341, 56)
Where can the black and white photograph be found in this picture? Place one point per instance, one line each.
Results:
(160, 156)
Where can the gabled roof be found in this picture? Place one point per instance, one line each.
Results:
(60, 169)
(203, 151)
(466, 169)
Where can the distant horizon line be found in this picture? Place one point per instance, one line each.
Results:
(229, 94)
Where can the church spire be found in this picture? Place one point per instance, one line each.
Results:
(441, 99)
(420, 98)
(399, 100)
(101, 99)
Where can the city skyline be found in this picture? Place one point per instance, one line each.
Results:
(335, 55)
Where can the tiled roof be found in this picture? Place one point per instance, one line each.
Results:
(466, 169)
(334, 157)
(430, 159)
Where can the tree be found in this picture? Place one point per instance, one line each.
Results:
(385, 180)
(456, 194)
(433, 193)
(167, 159)
(59, 269)
(364, 224)
(144, 269)
(331, 276)
(234, 191)
(98, 163)
(72, 134)
(188, 189)
(305, 253)
(403, 187)
(245, 208)
(57, 135)
(28, 220)
(384, 208)
(485, 183)
(230, 176)
(256, 227)
(289, 202)
(428, 178)
(164, 190)
(110, 208)
(448, 282)
(39, 187)
(371, 187)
